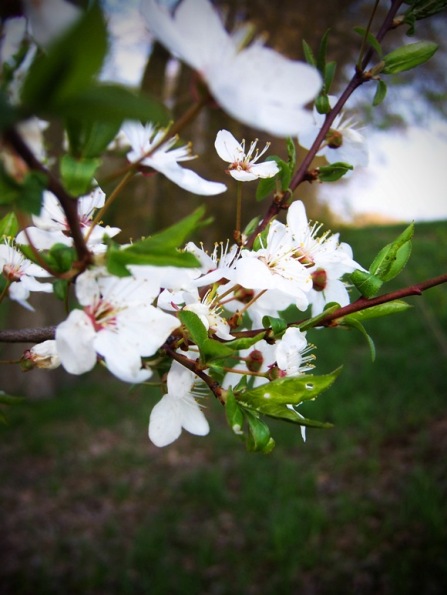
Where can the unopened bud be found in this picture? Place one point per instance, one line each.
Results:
(43, 355)
(255, 360)
(319, 280)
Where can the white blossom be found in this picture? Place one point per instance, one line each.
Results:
(165, 158)
(343, 143)
(325, 258)
(242, 165)
(255, 84)
(51, 226)
(275, 267)
(177, 410)
(20, 273)
(48, 19)
(116, 322)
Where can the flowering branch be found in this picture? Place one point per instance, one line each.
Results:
(68, 202)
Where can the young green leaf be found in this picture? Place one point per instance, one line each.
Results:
(9, 226)
(368, 284)
(333, 171)
(77, 174)
(359, 326)
(408, 56)
(380, 93)
(234, 415)
(394, 256)
(308, 54)
(370, 39)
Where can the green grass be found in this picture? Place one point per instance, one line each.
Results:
(89, 506)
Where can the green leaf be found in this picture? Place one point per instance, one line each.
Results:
(265, 187)
(60, 257)
(25, 195)
(118, 259)
(258, 439)
(308, 54)
(359, 326)
(243, 342)
(368, 284)
(333, 171)
(209, 348)
(6, 399)
(234, 414)
(195, 326)
(77, 174)
(394, 256)
(89, 139)
(380, 93)
(8, 114)
(278, 325)
(60, 289)
(159, 249)
(111, 103)
(69, 65)
(371, 39)
(322, 51)
(394, 307)
(277, 398)
(9, 226)
(291, 154)
(329, 74)
(408, 56)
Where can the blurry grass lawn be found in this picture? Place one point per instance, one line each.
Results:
(89, 506)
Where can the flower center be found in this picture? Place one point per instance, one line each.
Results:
(334, 139)
(102, 314)
(12, 272)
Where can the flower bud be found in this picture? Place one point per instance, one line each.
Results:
(42, 355)
(255, 360)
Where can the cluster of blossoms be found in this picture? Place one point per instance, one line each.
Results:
(129, 324)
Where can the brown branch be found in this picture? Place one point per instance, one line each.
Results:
(27, 335)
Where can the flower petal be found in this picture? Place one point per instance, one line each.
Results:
(74, 342)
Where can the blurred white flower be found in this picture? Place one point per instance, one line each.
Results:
(51, 225)
(48, 19)
(117, 322)
(165, 158)
(20, 273)
(177, 410)
(343, 143)
(242, 165)
(255, 85)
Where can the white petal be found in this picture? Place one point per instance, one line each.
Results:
(251, 273)
(188, 179)
(74, 341)
(193, 419)
(227, 147)
(164, 422)
(242, 175)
